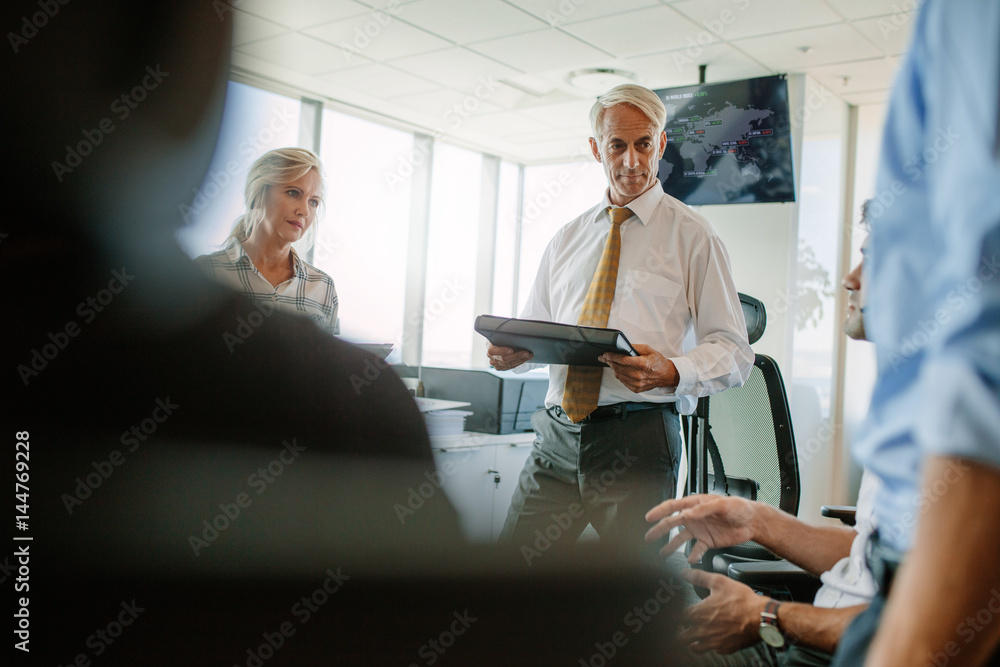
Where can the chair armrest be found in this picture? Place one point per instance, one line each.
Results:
(767, 573)
(777, 579)
(843, 512)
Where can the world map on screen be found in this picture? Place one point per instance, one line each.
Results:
(728, 143)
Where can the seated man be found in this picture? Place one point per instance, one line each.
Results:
(733, 616)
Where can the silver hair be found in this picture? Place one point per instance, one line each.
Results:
(643, 99)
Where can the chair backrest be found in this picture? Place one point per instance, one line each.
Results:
(755, 316)
(752, 427)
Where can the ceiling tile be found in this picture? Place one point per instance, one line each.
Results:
(546, 135)
(891, 34)
(463, 22)
(382, 39)
(563, 114)
(303, 53)
(827, 45)
(302, 13)
(569, 150)
(680, 68)
(561, 12)
(379, 81)
(540, 50)
(862, 76)
(386, 5)
(641, 31)
(860, 9)
(733, 20)
(508, 123)
(451, 107)
(456, 68)
(871, 97)
(413, 71)
(249, 28)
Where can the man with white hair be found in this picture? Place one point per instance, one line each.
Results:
(608, 440)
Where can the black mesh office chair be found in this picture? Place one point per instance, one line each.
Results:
(742, 443)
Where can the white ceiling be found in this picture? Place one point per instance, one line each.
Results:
(492, 74)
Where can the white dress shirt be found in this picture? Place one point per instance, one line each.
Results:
(850, 582)
(674, 292)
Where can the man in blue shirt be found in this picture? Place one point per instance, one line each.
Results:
(933, 311)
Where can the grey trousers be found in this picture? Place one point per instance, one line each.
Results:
(607, 474)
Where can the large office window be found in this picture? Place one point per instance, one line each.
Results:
(254, 121)
(553, 195)
(362, 241)
(506, 241)
(456, 187)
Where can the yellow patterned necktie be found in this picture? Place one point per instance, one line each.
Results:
(583, 383)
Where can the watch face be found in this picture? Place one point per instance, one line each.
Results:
(771, 635)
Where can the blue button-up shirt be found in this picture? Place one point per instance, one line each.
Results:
(933, 307)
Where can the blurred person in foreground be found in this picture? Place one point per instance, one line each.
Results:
(932, 434)
(172, 482)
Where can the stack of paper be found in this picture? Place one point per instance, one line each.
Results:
(445, 422)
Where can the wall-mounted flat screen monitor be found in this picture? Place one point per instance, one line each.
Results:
(728, 143)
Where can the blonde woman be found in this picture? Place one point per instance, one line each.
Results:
(284, 199)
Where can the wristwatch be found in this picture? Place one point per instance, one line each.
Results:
(769, 631)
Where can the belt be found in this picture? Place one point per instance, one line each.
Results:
(883, 561)
(604, 413)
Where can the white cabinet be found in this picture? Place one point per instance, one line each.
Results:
(480, 472)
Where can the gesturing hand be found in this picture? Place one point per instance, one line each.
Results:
(727, 620)
(714, 521)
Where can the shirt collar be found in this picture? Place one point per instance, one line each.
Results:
(642, 206)
(236, 253)
(234, 250)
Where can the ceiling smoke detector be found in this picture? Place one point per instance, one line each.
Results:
(598, 80)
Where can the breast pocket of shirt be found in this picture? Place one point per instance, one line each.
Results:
(648, 300)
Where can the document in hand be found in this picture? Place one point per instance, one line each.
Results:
(554, 343)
